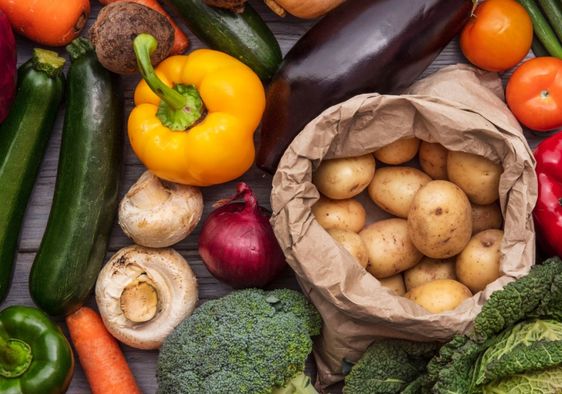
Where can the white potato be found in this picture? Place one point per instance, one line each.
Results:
(429, 269)
(433, 160)
(344, 178)
(394, 283)
(346, 214)
(353, 243)
(440, 295)
(486, 217)
(389, 247)
(440, 220)
(399, 151)
(393, 188)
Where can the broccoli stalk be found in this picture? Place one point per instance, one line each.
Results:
(300, 384)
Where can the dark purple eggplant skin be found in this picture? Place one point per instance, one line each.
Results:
(8, 70)
(362, 46)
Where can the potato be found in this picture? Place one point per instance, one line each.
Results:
(117, 26)
(394, 188)
(399, 151)
(429, 269)
(433, 160)
(440, 295)
(479, 263)
(477, 176)
(344, 178)
(394, 283)
(485, 217)
(440, 220)
(353, 243)
(389, 248)
(339, 214)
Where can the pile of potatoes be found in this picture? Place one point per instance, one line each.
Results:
(442, 244)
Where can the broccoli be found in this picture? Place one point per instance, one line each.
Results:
(250, 341)
(388, 367)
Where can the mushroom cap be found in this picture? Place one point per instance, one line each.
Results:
(158, 214)
(172, 278)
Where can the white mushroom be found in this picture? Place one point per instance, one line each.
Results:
(157, 214)
(143, 294)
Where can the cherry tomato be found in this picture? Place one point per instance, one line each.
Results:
(534, 93)
(498, 35)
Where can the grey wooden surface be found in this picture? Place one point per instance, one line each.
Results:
(143, 363)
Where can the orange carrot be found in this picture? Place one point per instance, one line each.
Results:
(101, 358)
(48, 22)
(181, 42)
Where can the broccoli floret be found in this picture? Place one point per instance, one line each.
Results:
(388, 367)
(250, 341)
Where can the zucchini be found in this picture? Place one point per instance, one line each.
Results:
(553, 12)
(23, 139)
(244, 36)
(542, 29)
(85, 202)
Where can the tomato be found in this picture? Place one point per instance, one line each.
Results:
(498, 35)
(534, 93)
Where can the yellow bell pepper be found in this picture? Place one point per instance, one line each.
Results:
(195, 116)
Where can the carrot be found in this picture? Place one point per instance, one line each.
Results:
(101, 358)
(48, 22)
(181, 42)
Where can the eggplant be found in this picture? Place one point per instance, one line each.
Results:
(362, 46)
(8, 70)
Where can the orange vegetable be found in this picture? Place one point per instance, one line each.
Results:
(534, 93)
(181, 42)
(48, 22)
(498, 35)
(101, 358)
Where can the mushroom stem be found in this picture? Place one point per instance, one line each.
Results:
(149, 192)
(139, 300)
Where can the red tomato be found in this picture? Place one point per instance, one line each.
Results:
(534, 93)
(498, 35)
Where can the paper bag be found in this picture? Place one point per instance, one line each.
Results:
(459, 107)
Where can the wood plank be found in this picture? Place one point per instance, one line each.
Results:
(287, 30)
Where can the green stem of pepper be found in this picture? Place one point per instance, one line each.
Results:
(181, 107)
(15, 357)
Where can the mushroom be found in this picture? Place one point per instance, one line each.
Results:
(143, 294)
(158, 214)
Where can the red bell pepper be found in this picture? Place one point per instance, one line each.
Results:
(548, 211)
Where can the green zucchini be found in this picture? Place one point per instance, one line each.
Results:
(244, 36)
(23, 139)
(553, 12)
(542, 28)
(85, 202)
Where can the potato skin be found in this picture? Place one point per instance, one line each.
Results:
(346, 214)
(393, 188)
(389, 247)
(394, 283)
(433, 160)
(399, 151)
(440, 220)
(440, 295)
(486, 217)
(353, 243)
(479, 263)
(344, 178)
(477, 176)
(116, 27)
(428, 270)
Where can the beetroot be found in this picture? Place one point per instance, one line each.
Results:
(7, 66)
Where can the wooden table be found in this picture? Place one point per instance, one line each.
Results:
(143, 363)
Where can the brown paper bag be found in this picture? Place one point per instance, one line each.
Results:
(459, 107)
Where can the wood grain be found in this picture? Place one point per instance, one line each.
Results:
(287, 31)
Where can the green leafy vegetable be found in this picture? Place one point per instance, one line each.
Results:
(250, 341)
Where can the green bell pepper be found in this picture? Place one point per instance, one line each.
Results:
(35, 356)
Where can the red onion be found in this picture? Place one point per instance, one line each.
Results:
(237, 243)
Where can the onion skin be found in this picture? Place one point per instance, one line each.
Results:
(237, 243)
